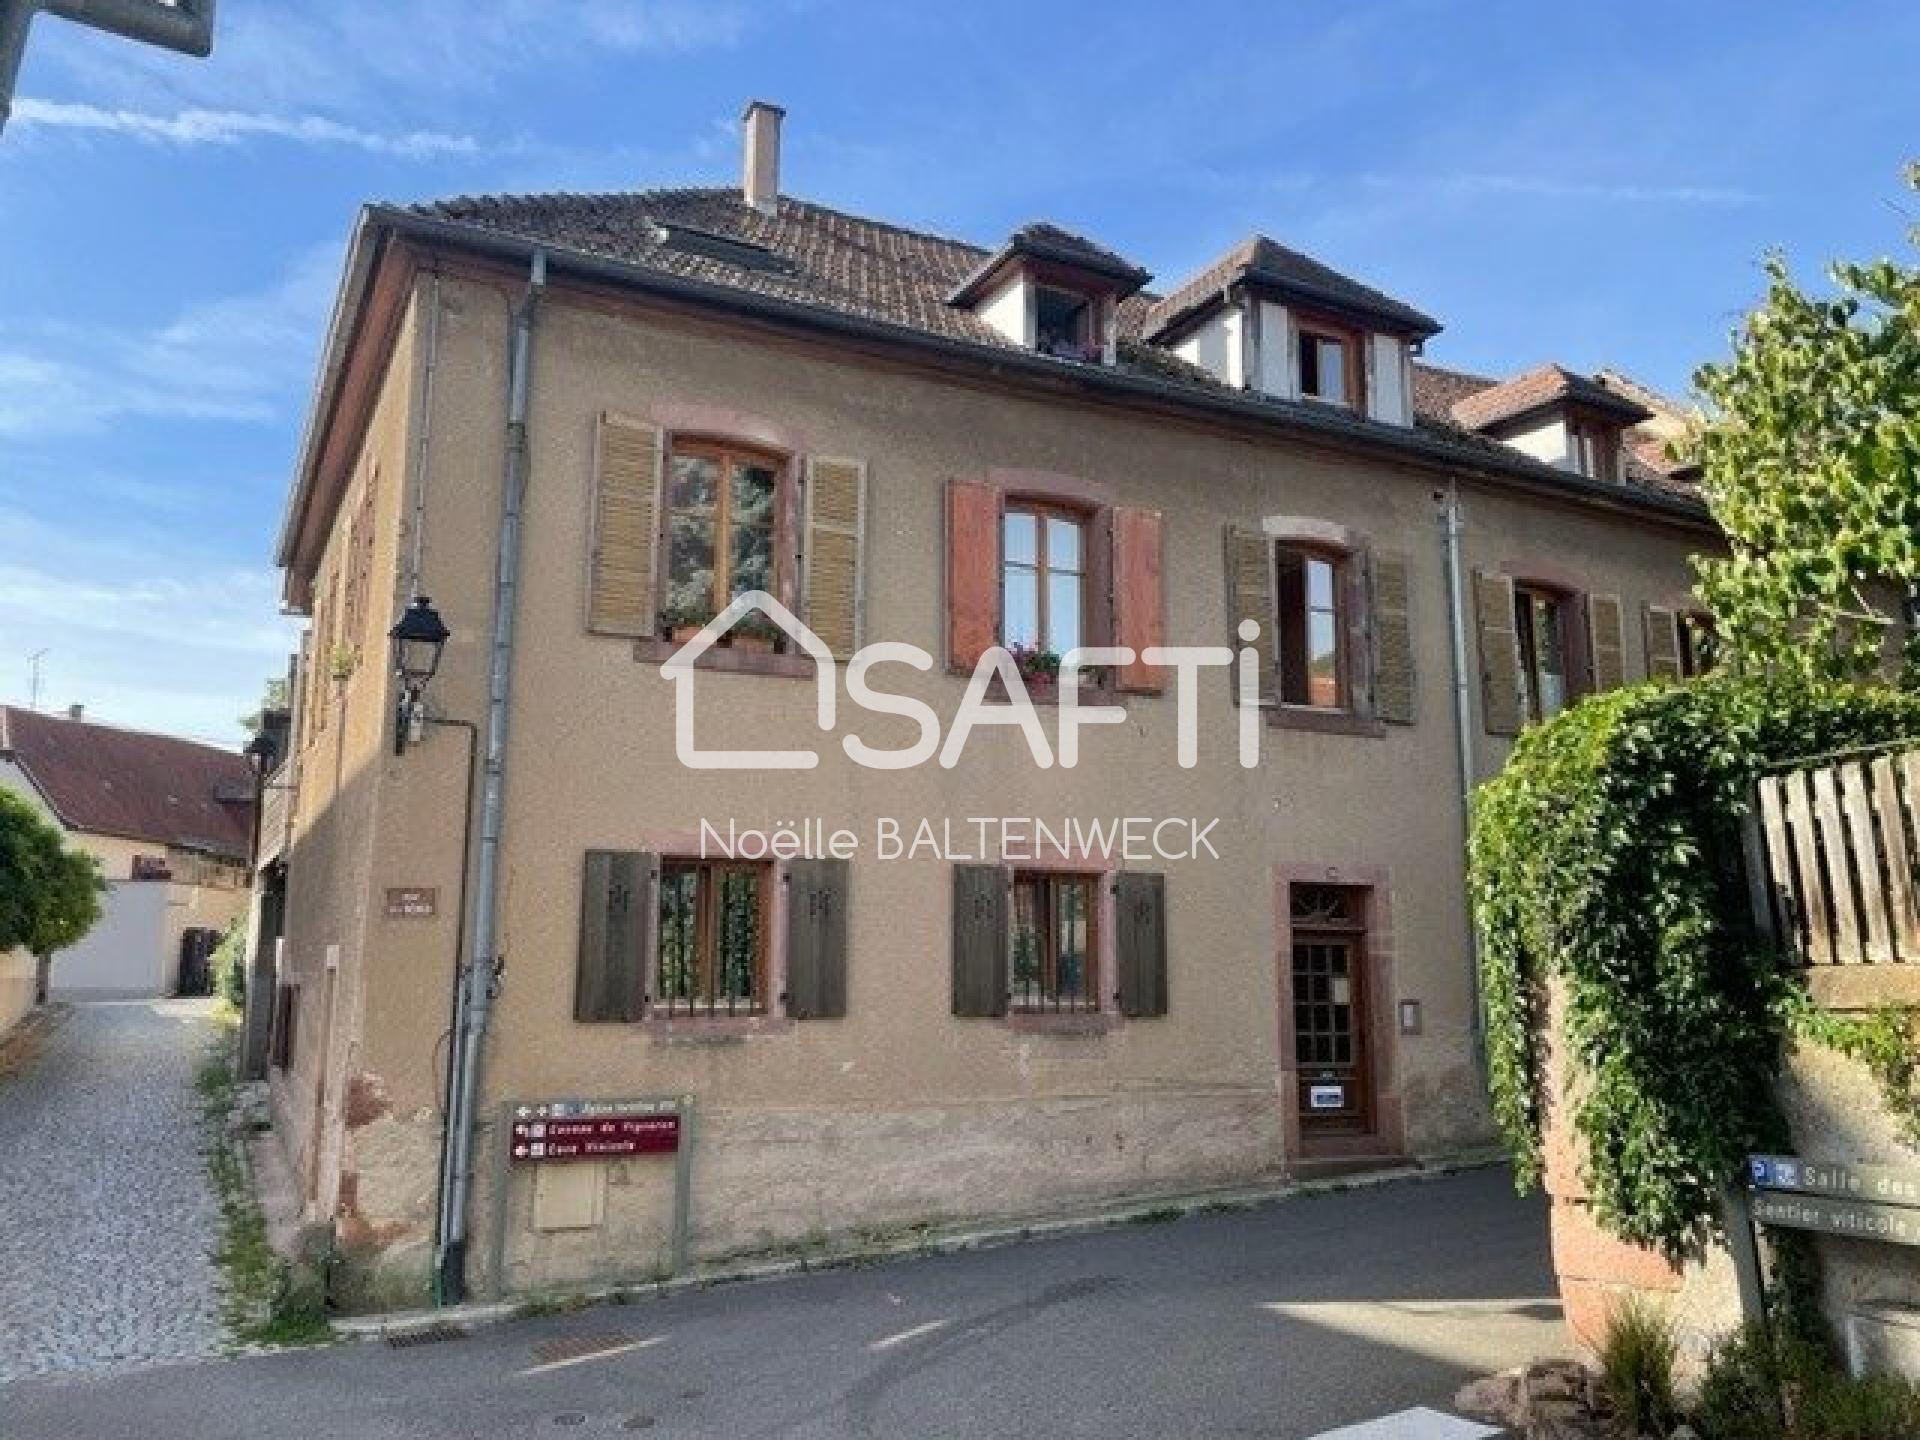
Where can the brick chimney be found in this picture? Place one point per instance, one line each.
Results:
(760, 183)
(76, 712)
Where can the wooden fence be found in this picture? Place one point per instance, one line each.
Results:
(1840, 845)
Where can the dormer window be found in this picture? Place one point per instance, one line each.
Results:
(1329, 364)
(1065, 323)
(1595, 449)
(1051, 292)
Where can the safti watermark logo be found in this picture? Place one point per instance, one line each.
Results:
(996, 667)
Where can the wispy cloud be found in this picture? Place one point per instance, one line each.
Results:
(133, 629)
(1476, 184)
(243, 357)
(358, 59)
(233, 127)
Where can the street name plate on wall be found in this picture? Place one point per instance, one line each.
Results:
(562, 1130)
(412, 902)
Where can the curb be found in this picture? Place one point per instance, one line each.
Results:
(473, 1315)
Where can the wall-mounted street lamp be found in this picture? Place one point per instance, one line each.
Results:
(418, 638)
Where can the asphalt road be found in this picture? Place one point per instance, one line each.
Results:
(1309, 1314)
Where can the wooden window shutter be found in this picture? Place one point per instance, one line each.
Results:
(817, 939)
(286, 1014)
(1140, 942)
(616, 908)
(979, 940)
(1250, 597)
(1662, 630)
(629, 456)
(1139, 598)
(1499, 654)
(1393, 674)
(973, 572)
(836, 517)
(1606, 643)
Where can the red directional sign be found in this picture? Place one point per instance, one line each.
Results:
(598, 1137)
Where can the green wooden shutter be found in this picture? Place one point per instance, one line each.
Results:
(1606, 643)
(616, 908)
(1250, 597)
(836, 525)
(1662, 630)
(1499, 654)
(628, 460)
(817, 939)
(979, 940)
(1393, 675)
(1140, 942)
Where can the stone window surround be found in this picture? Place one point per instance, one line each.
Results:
(1107, 1017)
(683, 844)
(750, 430)
(1351, 545)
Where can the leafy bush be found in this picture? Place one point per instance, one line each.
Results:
(1607, 856)
(1636, 1364)
(229, 965)
(1771, 1386)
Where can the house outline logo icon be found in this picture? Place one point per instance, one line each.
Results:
(679, 668)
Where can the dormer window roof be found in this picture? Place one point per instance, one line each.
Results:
(1548, 388)
(1052, 291)
(1280, 273)
(1048, 251)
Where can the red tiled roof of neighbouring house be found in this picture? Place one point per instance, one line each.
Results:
(108, 781)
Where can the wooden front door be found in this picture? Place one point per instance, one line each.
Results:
(1331, 1042)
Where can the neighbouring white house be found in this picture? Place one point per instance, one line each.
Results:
(170, 822)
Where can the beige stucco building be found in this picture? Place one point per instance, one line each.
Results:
(904, 438)
(169, 821)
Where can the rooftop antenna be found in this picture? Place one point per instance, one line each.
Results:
(33, 678)
(182, 25)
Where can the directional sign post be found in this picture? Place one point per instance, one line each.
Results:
(549, 1132)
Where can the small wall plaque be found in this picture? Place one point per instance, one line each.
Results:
(412, 902)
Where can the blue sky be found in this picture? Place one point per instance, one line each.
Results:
(1592, 184)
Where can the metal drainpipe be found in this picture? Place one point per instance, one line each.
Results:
(476, 985)
(1450, 529)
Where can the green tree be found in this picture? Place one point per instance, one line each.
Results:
(49, 895)
(1811, 465)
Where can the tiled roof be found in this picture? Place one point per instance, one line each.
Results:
(1044, 241)
(812, 258)
(108, 781)
(1260, 261)
(1545, 385)
(1439, 392)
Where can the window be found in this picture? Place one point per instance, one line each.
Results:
(1051, 963)
(1328, 361)
(1064, 324)
(151, 867)
(1540, 623)
(1693, 634)
(721, 518)
(1593, 450)
(1043, 580)
(1311, 619)
(712, 938)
